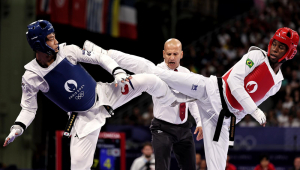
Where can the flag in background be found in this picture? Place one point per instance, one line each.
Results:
(43, 7)
(117, 18)
(78, 13)
(114, 17)
(94, 15)
(128, 20)
(60, 11)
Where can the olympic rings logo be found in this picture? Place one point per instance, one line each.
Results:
(248, 142)
(79, 96)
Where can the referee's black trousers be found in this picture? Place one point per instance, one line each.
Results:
(179, 138)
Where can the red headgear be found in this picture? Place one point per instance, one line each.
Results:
(288, 37)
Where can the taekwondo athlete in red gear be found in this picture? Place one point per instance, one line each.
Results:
(57, 73)
(245, 86)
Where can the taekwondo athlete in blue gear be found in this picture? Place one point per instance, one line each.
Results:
(57, 73)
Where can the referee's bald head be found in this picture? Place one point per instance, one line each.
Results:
(173, 42)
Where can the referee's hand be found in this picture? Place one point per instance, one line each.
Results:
(200, 133)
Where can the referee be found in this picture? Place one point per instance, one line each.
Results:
(170, 128)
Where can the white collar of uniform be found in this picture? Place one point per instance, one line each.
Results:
(255, 48)
(279, 76)
(164, 66)
(61, 47)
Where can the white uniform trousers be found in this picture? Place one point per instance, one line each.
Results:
(82, 149)
(209, 103)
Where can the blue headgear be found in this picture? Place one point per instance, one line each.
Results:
(37, 34)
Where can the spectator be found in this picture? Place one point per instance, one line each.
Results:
(296, 121)
(272, 119)
(135, 118)
(203, 165)
(284, 117)
(248, 122)
(288, 102)
(148, 116)
(198, 161)
(265, 164)
(146, 161)
(289, 123)
(229, 166)
(296, 163)
(295, 81)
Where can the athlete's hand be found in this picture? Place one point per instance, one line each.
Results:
(89, 46)
(121, 79)
(15, 131)
(200, 133)
(259, 116)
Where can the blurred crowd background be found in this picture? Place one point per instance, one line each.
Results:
(220, 49)
(215, 34)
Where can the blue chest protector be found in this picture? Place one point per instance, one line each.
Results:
(71, 87)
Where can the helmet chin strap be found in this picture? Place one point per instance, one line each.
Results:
(52, 53)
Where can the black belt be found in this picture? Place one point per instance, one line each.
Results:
(70, 124)
(74, 115)
(224, 112)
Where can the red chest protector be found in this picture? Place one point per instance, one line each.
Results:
(257, 84)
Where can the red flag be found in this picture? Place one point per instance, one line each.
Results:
(60, 11)
(128, 31)
(78, 13)
(128, 21)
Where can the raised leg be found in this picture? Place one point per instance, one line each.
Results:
(192, 85)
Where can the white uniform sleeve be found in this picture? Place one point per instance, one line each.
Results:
(195, 113)
(29, 99)
(193, 107)
(272, 92)
(236, 79)
(129, 62)
(76, 54)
